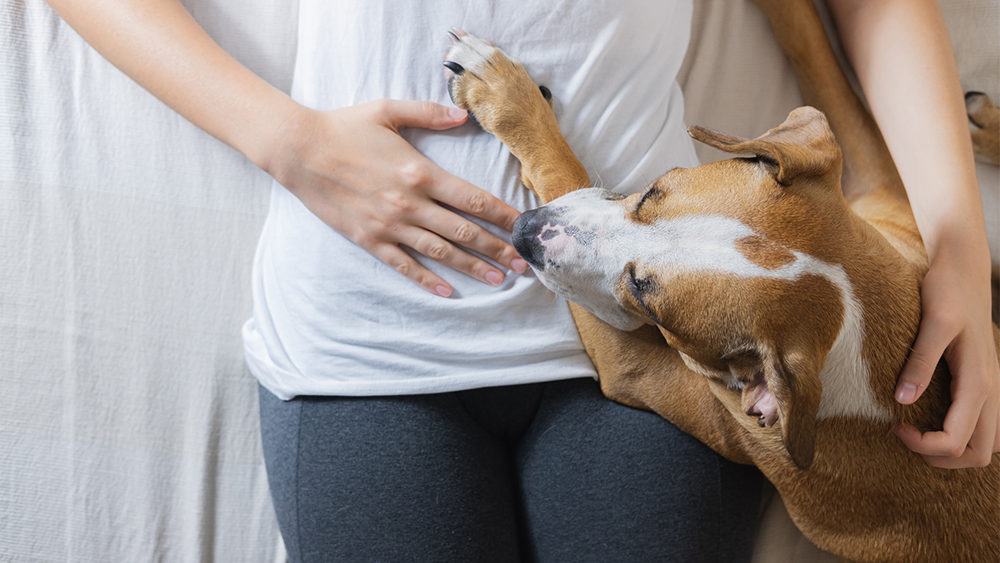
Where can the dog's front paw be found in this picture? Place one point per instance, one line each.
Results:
(494, 88)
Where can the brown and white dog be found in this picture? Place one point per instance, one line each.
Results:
(766, 304)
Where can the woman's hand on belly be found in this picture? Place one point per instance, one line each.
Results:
(353, 170)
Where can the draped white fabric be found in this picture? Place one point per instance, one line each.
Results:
(128, 422)
(128, 425)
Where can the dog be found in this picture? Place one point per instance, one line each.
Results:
(764, 304)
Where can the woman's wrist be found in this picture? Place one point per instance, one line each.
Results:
(272, 133)
(959, 238)
(946, 205)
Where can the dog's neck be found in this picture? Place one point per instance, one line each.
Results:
(848, 378)
(881, 302)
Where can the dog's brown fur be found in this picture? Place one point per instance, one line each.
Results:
(849, 484)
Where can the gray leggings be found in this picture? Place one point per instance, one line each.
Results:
(550, 472)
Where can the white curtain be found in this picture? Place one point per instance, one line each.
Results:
(128, 422)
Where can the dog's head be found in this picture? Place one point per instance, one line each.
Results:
(735, 261)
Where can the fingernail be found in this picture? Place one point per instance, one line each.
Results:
(457, 113)
(906, 392)
(443, 290)
(518, 265)
(494, 278)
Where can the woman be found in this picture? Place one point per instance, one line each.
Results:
(463, 423)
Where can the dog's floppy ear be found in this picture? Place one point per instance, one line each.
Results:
(794, 380)
(802, 146)
(785, 388)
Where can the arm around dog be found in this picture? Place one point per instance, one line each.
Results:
(349, 166)
(902, 55)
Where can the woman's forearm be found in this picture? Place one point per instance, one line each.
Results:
(159, 45)
(903, 57)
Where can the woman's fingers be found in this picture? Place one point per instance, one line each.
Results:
(394, 256)
(456, 228)
(937, 448)
(398, 114)
(932, 339)
(431, 245)
(412, 216)
(953, 326)
(462, 195)
(421, 236)
(440, 250)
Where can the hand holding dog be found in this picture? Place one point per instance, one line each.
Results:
(957, 326)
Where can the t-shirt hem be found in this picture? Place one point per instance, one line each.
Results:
(405, 387)
(287, 386)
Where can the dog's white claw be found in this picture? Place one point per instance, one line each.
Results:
(456, 34)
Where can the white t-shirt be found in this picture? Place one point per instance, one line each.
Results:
(329, 319)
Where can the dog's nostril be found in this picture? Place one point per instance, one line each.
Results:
(454, 67)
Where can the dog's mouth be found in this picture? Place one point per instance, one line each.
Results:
(759, 401)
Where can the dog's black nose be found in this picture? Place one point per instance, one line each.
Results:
(525, 236)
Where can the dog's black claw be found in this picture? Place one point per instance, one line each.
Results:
(546, 93)
(761, 422)
(973, 94)
(454, 67)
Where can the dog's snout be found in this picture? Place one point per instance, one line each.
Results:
(525, 236)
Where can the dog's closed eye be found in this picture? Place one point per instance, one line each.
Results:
(640, 287)
(652, 193)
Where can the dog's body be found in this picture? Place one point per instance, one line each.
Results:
(765, 305)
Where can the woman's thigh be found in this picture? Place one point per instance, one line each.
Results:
(387, 479)
(604, 482)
